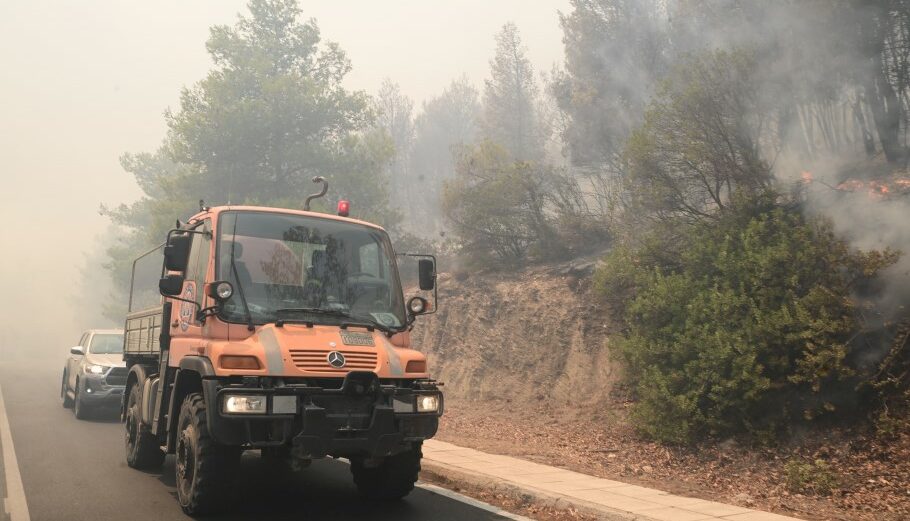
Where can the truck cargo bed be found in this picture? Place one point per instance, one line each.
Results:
(142, 331)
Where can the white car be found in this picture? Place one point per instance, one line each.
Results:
(95, 374)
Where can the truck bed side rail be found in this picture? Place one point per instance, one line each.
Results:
(141, 332)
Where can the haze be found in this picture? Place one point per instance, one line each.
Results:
(84, 82)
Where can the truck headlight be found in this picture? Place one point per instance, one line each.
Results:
(427, 403)
(95, 369)
(245, 404)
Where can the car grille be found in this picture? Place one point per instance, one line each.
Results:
(116, 376)
(317, 360)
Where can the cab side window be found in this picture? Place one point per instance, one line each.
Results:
(198, 260)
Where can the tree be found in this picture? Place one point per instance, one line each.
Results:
(269, 116)
(615, 51)
(273, 113)
(507, 212)
(700, 141)
(884, 32)
(837, 68)
(444, 124)
(394, 113)
(510, 98)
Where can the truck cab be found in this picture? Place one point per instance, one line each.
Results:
(280, 330)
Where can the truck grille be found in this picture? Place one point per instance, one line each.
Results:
(317, 360)
(116, 376)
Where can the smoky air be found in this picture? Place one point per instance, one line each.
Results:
(649, 241)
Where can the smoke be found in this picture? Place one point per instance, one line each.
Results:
(871, 215)
(815, 64)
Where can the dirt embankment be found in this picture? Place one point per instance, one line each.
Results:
(528, 337)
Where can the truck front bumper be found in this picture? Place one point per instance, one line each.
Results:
(364, 417)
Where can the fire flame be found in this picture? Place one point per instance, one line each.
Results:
(877, 189)
(850, 185)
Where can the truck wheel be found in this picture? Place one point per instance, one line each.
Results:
(67, 401)
(205, 470)
(142, 448)
(80, 408)
(393, 479)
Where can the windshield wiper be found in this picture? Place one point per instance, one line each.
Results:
(357, 320)
(246, 306)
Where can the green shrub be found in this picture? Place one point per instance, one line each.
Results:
(744, 326)
(814, 477)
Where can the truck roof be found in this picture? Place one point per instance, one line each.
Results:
(104, 331)
(215, 210)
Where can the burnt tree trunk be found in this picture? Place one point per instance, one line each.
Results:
(879, 92)
(886, 112)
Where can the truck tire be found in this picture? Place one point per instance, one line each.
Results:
(67, 401)
(142, 448)
(204, 469)
(393, 479)
(80, 408)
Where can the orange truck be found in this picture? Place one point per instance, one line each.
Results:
(284, 331)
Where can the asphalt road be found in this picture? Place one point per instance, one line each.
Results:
(75, 470)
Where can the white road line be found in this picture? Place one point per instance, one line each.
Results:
(15, 504)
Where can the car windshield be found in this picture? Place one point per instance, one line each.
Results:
(106, 344)
(292, 267)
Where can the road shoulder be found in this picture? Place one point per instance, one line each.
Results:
(15, 506)
(558, 488)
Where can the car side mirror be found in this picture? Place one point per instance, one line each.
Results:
(77, 351)
(177, 252)
(171, 285)
(426, 269)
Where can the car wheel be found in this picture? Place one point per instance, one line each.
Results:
(67, 401)
(142, 448)
(80, 408)
(204, 469)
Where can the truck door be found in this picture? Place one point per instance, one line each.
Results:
(186, 330)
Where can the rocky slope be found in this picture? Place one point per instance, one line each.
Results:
(537, 335)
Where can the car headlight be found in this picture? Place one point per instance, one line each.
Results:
(245, 404)
(95, 369)
(427, 403)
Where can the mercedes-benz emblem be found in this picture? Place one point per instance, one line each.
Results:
(336, 359)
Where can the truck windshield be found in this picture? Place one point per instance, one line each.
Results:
(106, 344)
(285, 265)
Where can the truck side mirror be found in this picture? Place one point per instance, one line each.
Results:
(177, 252)
(77, 351)
(427, 271)
(170, 285)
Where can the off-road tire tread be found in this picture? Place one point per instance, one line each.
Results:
(216, 465)
(147, 453)
(393, 479)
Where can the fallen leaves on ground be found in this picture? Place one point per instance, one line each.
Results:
(873, 475)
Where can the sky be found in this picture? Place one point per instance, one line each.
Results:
(84, 82)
